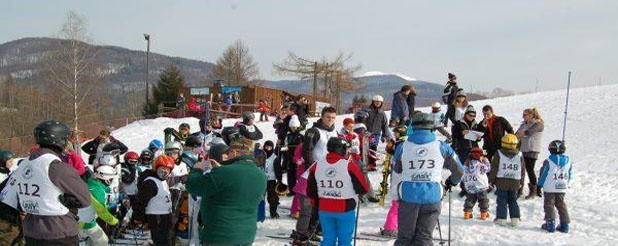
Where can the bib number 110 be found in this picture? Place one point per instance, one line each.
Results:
(329, 184)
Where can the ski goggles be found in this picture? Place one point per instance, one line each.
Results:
(133, 161)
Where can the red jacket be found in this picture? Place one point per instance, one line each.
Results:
(337, 205)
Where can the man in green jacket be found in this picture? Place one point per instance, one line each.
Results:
(230, 195)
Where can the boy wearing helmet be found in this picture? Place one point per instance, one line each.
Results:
(99, 190)
(154, 204)
(555, 176)
(273, 173)
(128, 178)
(475, 183)
(248, 129)
(335, 183)
(156, 147)
(291, 141)
(184, 131)
(507, 174)
(7, 164)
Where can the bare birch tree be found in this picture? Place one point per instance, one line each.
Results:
(236, 66)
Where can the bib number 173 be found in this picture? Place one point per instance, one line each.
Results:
(419, 164)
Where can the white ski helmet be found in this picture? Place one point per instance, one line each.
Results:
(436, 105)
(294, 122)
(173, 147)
(107, 159)
(105, 173)
(377, 98)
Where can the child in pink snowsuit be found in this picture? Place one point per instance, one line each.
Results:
(390, 225)
(300, 189)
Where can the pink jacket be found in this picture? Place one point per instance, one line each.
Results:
(301, 182)
(75, 161)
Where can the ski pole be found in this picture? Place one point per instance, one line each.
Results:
(566, 107)
(440, 232)
(449, 217)
(356, 223)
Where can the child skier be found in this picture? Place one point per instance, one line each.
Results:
(156, 147)
(99, 190)
(273, 174)
(439, 119)
(507, 174)
(476, 184)
(292, 139)
(301, 181)
(154, 204)
(335, 183)
(129, 180)
(390, 225)
(555, 176)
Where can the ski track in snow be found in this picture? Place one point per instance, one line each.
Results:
(591, 199)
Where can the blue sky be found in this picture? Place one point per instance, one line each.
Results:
(488, 44)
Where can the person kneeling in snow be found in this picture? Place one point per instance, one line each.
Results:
(154, 203)
(336, 183)
(556, 174)
(476, 184)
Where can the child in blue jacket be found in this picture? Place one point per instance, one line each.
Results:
(555, 176)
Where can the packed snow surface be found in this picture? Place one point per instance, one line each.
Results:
(592, 200)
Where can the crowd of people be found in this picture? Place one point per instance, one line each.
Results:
(211, 187)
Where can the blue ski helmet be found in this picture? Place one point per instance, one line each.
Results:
(155, 143)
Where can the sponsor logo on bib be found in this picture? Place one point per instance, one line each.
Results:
(422, 152)
(331, 172)
(27, 173)
(421, 176)
(331, 193)
(31, 207)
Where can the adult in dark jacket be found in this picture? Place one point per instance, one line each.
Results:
(229, 203)
(400, 111)
(98, 144)
(377, 125)
(461, 145)
(449, 94)
(411, 104)
(282, 123)
(301, 108)
(56, 189)
(494, 127)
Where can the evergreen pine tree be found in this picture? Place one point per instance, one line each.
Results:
(166, 90)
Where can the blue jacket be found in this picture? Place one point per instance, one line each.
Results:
(426, 192)
(561, 160)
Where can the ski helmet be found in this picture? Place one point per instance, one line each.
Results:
(401, 130)
(184, 126)
(247, 116)
(5, 156)
(173, 147)
(131, 158)
(338, 145)
(107, 159)
(436, 105)
(294, 122)
(190, 158)
(217, 150)
(163, 161)
(155, 144)
(281, 189)
(460, 93)
(146, 156)
(377, 98)
(105, 174)
(360, 116)
(230, 134)
(509, 141)
(52, 133)
(422, 121)
(193, 142)
(476, 153)
(557, 147)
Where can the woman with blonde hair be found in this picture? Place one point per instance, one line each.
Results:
(460, 103)
(530, 133)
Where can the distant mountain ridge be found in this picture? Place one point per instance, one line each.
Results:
(23, 58)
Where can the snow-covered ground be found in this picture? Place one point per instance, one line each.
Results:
(591, 201)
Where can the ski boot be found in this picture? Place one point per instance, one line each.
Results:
(299, 239)
(274, 215)
(563, 227)
(467, 215)
(549, 226)
(515, 222)
(373, 199)
(388, 233)
(501, 222)
(295, 216)
(484, 215)
(531, 192)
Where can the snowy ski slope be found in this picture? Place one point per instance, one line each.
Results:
(591, 201)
